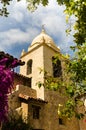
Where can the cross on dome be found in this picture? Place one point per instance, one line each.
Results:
(43, 29)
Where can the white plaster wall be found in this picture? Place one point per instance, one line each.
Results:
(37, 56)
(42, 59)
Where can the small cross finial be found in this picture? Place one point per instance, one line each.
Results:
(43, 29)
(43, 26)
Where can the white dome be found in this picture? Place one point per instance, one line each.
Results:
(43, 38)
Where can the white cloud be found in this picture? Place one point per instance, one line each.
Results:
(15, 36)
(16, 10)
(24, 25)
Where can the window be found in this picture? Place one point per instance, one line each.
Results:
(36, 111)
(61, 122)
(27, 82)
(29, 67)
(57, 68)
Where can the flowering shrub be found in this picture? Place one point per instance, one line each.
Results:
(7, 63)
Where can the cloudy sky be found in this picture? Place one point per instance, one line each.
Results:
(19, 29)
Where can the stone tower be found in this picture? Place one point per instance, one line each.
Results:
(39, 56)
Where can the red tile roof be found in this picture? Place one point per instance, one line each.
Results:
(29, 98)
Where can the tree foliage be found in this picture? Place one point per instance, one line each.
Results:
(70, 86)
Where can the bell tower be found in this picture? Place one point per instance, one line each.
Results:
(39, 56)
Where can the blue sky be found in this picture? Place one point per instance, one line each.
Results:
(21, 26)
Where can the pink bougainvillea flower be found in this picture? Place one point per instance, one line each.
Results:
(7, 63)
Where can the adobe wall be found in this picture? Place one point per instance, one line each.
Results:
(37, 123)
(21, 80)
(51, 121)
(14, 101)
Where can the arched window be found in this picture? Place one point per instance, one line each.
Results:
(29, 67)
(57, 68)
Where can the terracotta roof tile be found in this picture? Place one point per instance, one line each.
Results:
(29, 98)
